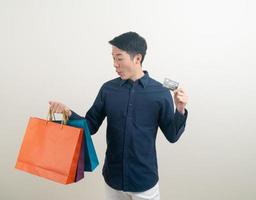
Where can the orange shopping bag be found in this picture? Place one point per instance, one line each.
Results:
(50, 150)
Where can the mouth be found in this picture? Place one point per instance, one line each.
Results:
(120, 73)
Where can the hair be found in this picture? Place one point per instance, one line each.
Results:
(132, 43)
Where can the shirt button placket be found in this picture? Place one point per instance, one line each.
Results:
(130, 103)
(127, 133)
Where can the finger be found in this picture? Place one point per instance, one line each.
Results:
(175, 92)
(54, 107)
(57, 108)
(179, 98)
(182, 99)
(51, 105)
(60, 108)
(181, 90)
(180, 93)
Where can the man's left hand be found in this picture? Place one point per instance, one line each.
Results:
(180, 99)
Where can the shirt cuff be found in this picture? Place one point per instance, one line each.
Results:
(74, 115)
(180, 116)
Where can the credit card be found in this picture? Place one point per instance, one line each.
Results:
(170, 84)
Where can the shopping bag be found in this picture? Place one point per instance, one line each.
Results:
(50, 150)
(90, 157)
(80, 165)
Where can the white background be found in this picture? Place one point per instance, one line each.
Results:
(58, 50)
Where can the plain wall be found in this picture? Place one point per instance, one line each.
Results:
(58, 50)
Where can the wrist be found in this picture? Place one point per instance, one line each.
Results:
(68, 111)
(182, 111)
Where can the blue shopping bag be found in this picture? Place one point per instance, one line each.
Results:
(90, 157)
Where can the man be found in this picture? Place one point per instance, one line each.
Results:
(135, 106)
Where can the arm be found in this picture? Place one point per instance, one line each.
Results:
(95, 115)
(171, 124)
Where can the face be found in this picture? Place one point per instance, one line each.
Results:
(126, 66)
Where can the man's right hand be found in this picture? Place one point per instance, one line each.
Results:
(57, 107)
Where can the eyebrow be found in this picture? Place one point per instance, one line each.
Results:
(118, 54)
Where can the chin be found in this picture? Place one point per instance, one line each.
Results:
(123, 78)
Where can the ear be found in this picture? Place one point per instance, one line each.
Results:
(138, 58)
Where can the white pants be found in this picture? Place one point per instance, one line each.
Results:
(151, 194)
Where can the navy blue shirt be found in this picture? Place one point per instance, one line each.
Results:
(134, 111)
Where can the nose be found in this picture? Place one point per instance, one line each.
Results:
(115, 64)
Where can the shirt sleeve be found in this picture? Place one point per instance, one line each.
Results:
(95, 115)
(171, 123)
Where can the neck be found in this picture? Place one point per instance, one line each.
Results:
(138, 75)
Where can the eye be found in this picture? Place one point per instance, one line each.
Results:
(119, 59)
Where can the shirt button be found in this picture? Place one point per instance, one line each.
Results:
(132, 90)
(130, 104)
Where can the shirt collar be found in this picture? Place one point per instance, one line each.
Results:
(143, 80)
